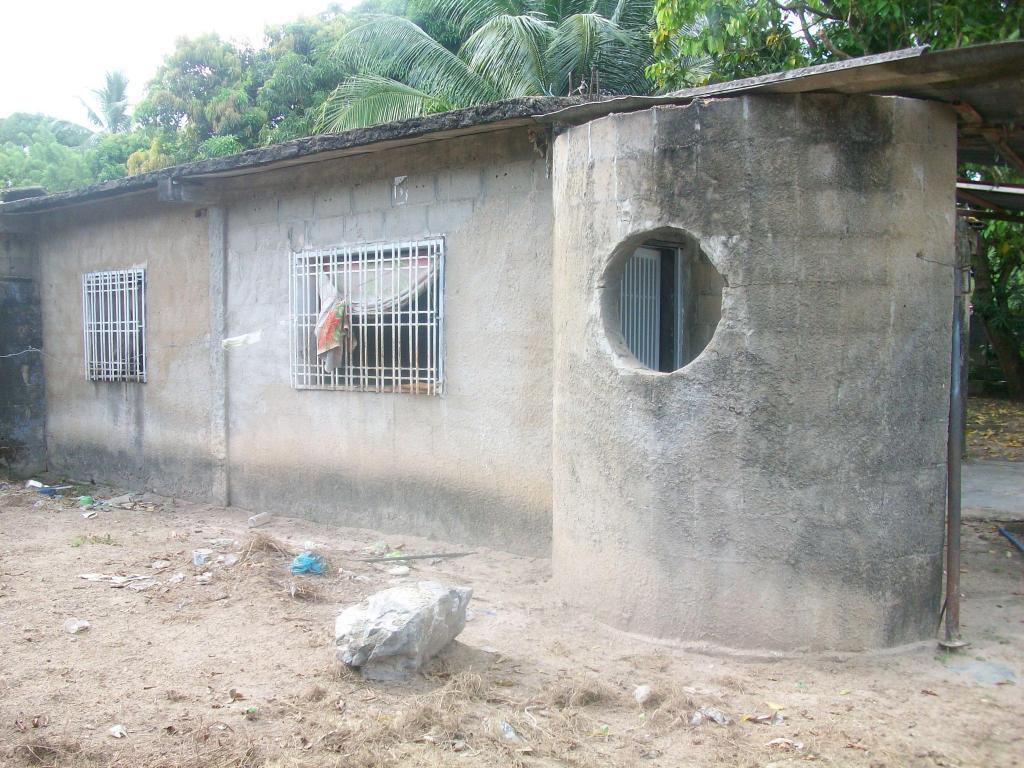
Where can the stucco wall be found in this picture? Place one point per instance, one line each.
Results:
(472, 465)
(785, 490)
(153, 435)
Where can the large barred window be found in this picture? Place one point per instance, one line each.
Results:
(114, 321)
(369, 317)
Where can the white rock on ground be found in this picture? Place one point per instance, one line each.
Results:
(390, 635)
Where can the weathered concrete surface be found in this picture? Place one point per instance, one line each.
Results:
(153, 435)
(22, 401)
(785, 490)
(473, 465)
(993, 490)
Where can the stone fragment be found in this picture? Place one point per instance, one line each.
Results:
(391, 634)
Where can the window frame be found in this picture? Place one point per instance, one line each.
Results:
(307, 371)
(114, 325)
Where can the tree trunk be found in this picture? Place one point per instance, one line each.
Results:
(1004, 343)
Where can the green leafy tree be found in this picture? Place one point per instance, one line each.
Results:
(507, 48)
(742, 38)
(111, 102)
(36, 150)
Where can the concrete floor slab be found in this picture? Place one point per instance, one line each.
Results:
(993, 490)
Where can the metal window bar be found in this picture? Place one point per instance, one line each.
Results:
(640, 306)
(114, 324)
(399, 344)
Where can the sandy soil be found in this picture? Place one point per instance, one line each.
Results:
(163, 662)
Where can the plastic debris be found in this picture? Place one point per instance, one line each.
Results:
(774, 718)
(118, 731)
(201, 556)
(74, 626)
(307, 562)
(261, 519)
(135, 581)
(710, 713)
(643, 694)
(508, 733)
(89, 514)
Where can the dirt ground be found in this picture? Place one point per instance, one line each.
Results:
(240, 671)
(995, 429)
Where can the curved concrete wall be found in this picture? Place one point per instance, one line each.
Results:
(784, 490)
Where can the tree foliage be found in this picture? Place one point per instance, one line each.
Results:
(111, 104)
(743, 38)
(475, 51)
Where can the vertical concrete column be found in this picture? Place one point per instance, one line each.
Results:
(785, 489)
(220, 492)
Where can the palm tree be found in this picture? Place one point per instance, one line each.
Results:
(111, 113)
(508, 49)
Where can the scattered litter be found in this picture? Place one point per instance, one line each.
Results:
(774, 718)
(393, 633)
(261, 519)
(46, 490)
(796, 746)
(643, 694)
(204, 578)
(135, 581)
(773, 706)
(176, 578)
(86, 501)
(251, 713)
(90, 514)
(156, 565)
(74, 626)
(118, 731)
(399, 570)
(710, 713)
(508, 733)
(201, 556)
(227, 560)
(307, 562)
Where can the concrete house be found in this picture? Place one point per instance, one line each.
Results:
(696, 347)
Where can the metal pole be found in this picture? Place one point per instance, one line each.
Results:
(954, 454)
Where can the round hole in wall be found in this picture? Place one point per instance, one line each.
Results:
(662, 299)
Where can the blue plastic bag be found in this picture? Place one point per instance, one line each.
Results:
(307, 562)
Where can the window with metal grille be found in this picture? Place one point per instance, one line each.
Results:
(114, 319)
(369, 317)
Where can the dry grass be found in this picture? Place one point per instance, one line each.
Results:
(258, 543)
(581, 691)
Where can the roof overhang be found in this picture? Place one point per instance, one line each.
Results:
(984, 84)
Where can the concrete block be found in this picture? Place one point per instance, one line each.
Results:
(295, 206)
(332, 201)
(459, 184)
(371, 196)
(362, 227)
(408, 221)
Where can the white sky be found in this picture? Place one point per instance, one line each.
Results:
(53, 52)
